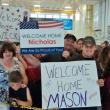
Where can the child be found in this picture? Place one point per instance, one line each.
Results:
(106, 89)
(18, 92)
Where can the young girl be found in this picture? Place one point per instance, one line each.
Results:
(18, 92)
(106, 89)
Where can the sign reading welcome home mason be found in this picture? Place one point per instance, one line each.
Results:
(69, 84)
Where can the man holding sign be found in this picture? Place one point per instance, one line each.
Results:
(87, 54)
(68, 54)
(70, 85)
(88, 50)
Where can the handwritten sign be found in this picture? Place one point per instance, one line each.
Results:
(4, 107)
(69, 84)
(41, 41)
(10, 18)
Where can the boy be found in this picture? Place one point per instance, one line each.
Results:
(18, 92)
(88, 49)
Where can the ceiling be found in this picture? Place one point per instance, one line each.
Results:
(49, 4)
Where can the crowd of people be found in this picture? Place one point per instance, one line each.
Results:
(20, 75)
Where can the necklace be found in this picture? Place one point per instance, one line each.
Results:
(8, 64)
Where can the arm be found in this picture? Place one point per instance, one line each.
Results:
(19, 56)
(100, 82)
(66, 55)
(22, 60)
(25, 103)
(32, 60)
(22, 70)
(99, 70)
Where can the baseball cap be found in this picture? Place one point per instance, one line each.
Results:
(89, 40)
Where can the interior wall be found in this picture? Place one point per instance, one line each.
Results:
(102, 21)
(94, 20)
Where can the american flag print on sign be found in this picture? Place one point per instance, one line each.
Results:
(48, 37)
(29, 25)
(50, 24)
(41, 24)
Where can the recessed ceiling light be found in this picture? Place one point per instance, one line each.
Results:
(67, 7)
(5, 4)
(38, 6)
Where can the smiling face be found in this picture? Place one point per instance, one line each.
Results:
(79, 45)
(69, 44)
(7, 50)
(7, 55)
(88, 50)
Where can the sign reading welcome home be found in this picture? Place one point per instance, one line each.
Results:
(34, 41)
(10, 18)
(69, 84)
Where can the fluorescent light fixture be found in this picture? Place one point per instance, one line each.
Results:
(33, 15)
(63, 14)
(49, 16)
(56, 16)
(37, 6)
(67, 7)
(5, 4)
(41, 15)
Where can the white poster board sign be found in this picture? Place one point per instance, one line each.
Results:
(10, 18)
(34, 41)
(69, 84)
(4, 107)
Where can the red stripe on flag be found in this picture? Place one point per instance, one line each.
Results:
(50, 26)
(53, 22)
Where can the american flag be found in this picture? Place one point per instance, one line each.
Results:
(41, 24)
(50, 24)
(28, 25)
